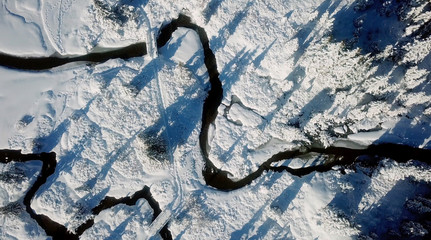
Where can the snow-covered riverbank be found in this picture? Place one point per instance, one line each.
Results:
(293, 73)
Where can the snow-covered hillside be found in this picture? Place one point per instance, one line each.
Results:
(294, 74)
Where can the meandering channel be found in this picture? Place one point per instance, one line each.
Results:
(219, 179)
(56, 230)
(213, 176)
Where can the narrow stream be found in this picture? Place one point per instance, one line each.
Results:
(213, 176)
(49, 163)
(56, 230)
(44, 63)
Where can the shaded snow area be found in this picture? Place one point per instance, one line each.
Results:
(294, 73)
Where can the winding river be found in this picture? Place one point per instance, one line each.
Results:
(56, 230)
(215, 177)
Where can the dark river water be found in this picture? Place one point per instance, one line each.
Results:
(45, 63)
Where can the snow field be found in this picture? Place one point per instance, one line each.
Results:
(288, 80)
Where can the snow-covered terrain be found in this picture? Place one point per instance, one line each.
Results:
(294, 73)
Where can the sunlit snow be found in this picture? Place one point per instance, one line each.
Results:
(331, 73)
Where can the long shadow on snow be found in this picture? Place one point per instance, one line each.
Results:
(264, 228)
(227, 30)
(194, 63)
(413, 129)
(134, 3)
(278, 205)
(231, 73)
(182, 118)
(348, 201)
(296, 76)
(356, 26)
(165, 134)
(235, 68)
(147, 74)
(243, 232)
(219, 179)
(259, 58)
(170, 48)
(321, 102)
(303, 35)
(211, 9)
(47, 144)
(385, 217)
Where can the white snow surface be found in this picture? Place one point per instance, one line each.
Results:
(287, 79)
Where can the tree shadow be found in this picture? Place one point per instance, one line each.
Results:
(118, 232)
(259, 58)
(224, 33)
(272, 179)
(232, 73)
(134, 3)
(244, 231)
(355, 25)
(426, 62)
(120, 152)
(296, 76)
(170, 48)
(304, 34)
(211, 9)
(321, 102)
(409, 131)
(194, 63)
(107, 76)
(147, 74)
(283, 201)
(67, 161)
(49, 142)
(228, 155)
(348, 201)
(425, 86)
(182, 118)
(279, 205)
(397, 75)
(164, 136)
(235, 68)
(263, 229)
(385, 217)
